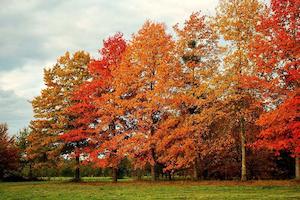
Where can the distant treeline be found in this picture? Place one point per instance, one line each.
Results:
(219, 99)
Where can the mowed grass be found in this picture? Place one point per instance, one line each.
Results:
(144, 190)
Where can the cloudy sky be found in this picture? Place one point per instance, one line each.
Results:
(33, 33)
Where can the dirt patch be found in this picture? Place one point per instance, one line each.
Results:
(192, 183)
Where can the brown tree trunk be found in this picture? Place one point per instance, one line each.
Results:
(139, 174)
(153, 172)
(225, 171)
(114, 175)
(243, 150)
(1, 174)
(153, 166)
(77, 170)
(30, 171)
(297, 168)
(169, 176)
(196, 170)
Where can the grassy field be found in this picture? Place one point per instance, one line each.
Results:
(129, 189)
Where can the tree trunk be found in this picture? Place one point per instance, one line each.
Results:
(1, 174)
(297, 168)
(153, 166)
(30, 171)
(153, 172)
(114, 175)
(225, 171)
(243, 149)
(77, 170)
(169, 176)
(195, 171)
(139, 174)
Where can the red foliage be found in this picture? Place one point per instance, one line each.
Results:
(87, 98)
(9, 153)
(276, 53)
(281, 127)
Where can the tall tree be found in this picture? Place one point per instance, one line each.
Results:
(22, 144)
(236, 21)
(9, 154)
(51, 119)
(92, 112)
(195, 102)
(143, 82)
(275, 51)
(110, 126)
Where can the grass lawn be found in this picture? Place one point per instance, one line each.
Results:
(147, 190)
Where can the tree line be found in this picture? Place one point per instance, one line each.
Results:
(218, 99)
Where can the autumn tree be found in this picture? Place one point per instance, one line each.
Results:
(236, 21)
(111, 125)
(94, 123)
(143, 82)
(275, 50)
(51, 119)
(9, 154)
(184, 105)
(195, 104)
(22, 143)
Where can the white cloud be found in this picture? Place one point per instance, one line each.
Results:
(48, 30)
(25, 81)
(35, 32)
(14, 110)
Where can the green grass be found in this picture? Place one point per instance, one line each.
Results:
(144, 190)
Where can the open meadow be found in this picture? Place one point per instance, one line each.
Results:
(129, 189)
